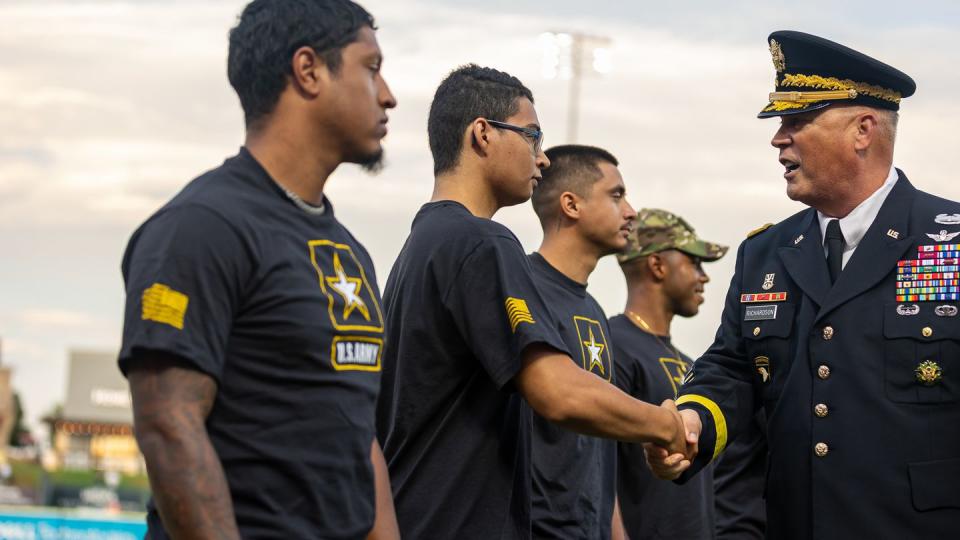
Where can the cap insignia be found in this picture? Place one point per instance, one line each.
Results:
(779, 62)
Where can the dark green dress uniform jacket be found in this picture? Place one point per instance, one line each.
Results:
(859, 446)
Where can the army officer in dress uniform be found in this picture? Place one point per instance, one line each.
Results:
(841, 321)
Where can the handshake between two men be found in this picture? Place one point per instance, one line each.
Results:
(670, 462)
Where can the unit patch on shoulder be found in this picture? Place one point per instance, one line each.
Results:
(164, 305)
(518, 312)
(759, 230)
(762, 364)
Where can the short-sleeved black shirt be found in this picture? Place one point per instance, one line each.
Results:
(281, 308)
(650, 369)
(461, 305)
(574, 476)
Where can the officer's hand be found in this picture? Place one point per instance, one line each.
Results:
(692, 428)
(663, 464)
(668, 465)
(678, 441)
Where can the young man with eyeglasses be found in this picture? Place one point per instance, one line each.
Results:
(471, 334)
(253, 324)
(581, 204)
(662, 265)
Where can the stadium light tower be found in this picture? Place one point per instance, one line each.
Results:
(565, 56)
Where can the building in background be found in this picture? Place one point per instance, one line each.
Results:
(8, 413)
(94, 429)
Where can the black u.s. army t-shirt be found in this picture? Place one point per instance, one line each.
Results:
(462, 306)
(650, 369)
(574, 476)
(281, 308)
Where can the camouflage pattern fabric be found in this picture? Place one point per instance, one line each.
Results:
(657, 230)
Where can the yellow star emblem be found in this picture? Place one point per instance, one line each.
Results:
(348, 288)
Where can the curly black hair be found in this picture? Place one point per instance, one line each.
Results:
(267, 34)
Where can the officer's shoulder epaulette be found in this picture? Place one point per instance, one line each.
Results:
(759, 230)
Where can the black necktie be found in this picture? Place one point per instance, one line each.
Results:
(834, 242)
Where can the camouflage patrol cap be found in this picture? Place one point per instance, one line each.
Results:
(658, 230)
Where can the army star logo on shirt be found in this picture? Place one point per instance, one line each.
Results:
(351, 301)
(594, 351)
(677, 371)
(347, 287)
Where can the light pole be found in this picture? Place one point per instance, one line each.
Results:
(564, 57)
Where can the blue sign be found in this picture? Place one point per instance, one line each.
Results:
(43, 524)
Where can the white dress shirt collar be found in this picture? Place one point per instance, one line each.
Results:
(855, 224)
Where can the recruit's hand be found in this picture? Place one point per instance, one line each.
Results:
(678, 443)
(669, 463)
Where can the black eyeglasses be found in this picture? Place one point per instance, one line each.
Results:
(534, 135)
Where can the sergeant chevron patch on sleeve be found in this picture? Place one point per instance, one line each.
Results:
(518, 312)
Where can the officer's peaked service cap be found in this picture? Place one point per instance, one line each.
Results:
(813, 73)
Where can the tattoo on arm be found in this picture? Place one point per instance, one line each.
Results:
(170, 404)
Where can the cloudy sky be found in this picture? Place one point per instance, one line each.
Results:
(108, 108)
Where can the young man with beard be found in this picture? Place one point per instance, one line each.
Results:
(253, 321)
(665, 278)
(841, 320)
(470, 333)
(582, 206)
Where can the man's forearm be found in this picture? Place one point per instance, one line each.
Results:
(563, 393)
(595, 407)
(189, 487)
(617, 529)
(385, 525)
(170, 406)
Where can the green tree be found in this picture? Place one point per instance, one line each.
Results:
(19, 430)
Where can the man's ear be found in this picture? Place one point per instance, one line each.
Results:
(309, 73)
(480, 133)
(570, 205)
(657, 265)
(867, 126)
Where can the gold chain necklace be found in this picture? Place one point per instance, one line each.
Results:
(646, 328)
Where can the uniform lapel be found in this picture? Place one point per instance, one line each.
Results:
(804, 259)
(877, 254)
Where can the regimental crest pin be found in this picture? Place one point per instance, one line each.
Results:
(763, 367)
(768, 281)
(943, 236)
(947, 219)
(928, 373)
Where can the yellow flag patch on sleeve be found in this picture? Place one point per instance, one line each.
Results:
(518, 312)
(164, 305)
